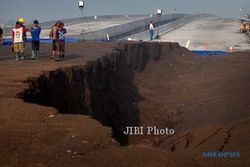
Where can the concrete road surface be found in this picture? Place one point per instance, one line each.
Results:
(210, 34)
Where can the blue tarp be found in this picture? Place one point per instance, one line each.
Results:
(209, 53)
(8, 41)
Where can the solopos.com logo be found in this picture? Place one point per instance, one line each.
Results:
(221, 154)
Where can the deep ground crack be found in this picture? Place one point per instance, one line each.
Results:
(207, 138)
(227, 137)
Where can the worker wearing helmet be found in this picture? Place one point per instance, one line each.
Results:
(21, 21)
(17, 41)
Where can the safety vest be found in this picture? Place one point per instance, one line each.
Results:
(18, 35)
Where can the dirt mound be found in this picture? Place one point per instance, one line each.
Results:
(197, 96)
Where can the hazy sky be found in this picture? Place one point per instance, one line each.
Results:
(57, 9)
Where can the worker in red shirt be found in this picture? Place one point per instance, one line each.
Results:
(22, 22)
(18, 41)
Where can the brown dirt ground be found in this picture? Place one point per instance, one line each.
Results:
(206, 100)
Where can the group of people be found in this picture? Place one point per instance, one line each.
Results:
(19, 37)
(57, 35)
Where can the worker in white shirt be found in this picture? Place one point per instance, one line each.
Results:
(18, 40)
(151, 30)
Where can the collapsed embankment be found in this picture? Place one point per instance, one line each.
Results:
(102, 88)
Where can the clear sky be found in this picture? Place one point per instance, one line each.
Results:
(44, 10)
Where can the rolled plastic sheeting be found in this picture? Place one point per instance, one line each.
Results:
(209, 53)
(8, 41)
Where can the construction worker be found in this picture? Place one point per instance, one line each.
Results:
(18, 41)
(21, 21)
(151, 30)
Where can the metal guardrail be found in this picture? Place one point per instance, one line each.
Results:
(138, 29)
(79, 20)
(121, 31)
(144, 36)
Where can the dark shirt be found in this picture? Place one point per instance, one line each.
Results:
(1, 31)
(60, 35)
(24, 33)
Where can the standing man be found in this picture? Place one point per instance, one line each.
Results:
(18, 41)
(151, 30)
(60, 42)
(21, 21)
(52, 36)
(1, 36)
(35, 32)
